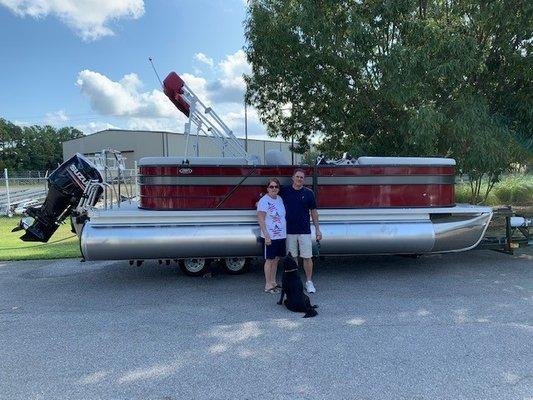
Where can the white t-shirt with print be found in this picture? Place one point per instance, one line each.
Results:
(275, 216)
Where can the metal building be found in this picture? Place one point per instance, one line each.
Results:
(137, 144)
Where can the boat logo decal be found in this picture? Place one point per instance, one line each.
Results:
(185, 171)
(78, 177)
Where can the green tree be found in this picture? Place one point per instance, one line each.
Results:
(32, 147)
(396, 77)
(11, 142)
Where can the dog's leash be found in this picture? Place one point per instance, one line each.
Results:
(316, 248)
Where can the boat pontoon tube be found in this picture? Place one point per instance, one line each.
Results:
(135, 234)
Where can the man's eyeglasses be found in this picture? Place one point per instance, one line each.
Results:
(273, 187)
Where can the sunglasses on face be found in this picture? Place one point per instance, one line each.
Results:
(273, 187)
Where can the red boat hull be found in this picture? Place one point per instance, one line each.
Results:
(184, 187)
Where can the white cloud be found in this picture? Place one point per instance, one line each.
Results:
(228, 86)
(139, 110)
(136, 124)
(223, 92)
(156, 124)
(88, 18)
(235, 65)
(93, 127)
(22, 123)
(198, 85)
(204, 59)
(152, 110)
(231, 87)
(123, 98)
(234, 119)
(57, 118)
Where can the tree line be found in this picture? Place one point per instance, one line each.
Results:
(397, 78)
(37, 148)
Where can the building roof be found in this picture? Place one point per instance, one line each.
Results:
(130, 131)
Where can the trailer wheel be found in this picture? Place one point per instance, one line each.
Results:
(194, 266)
(236, 265)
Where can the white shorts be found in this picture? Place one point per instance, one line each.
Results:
(300, 245)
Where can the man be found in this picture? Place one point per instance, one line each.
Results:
(299, 202)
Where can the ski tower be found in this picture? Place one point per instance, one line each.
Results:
(203, 120)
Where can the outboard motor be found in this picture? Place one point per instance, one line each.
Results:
(66, 186)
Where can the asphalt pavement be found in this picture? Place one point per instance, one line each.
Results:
(455, 326)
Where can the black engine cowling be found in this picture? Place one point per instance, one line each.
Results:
(66, 186)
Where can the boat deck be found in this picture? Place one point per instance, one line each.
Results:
(130, 214)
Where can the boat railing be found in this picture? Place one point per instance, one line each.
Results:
(118, 185)
(92, 193)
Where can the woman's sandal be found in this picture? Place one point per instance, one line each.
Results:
(271, 290)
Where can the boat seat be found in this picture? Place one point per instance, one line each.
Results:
(153, 161)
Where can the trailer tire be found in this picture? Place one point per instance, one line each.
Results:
(236, 265)
(194, 266)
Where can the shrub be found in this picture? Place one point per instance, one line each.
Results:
(462, 193)
(512, 190)
(517, 190)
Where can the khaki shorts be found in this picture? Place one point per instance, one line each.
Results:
(300, 245)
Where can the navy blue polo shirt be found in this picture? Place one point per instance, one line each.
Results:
(298, 203)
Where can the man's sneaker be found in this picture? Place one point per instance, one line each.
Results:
(310, 287)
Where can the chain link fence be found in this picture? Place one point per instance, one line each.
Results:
(25, 179)
(19, 190)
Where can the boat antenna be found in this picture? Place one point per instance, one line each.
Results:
(155, 71)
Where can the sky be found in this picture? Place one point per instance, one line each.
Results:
(84, 63)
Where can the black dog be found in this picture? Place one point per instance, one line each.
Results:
(293, 288)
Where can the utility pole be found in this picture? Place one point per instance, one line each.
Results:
(245, 125)
(292, 150)
(8, 209)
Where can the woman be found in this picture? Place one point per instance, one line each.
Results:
(271, 215)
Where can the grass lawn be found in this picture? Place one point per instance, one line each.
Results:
(63, 244)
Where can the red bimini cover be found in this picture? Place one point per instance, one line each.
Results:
(173, 88)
